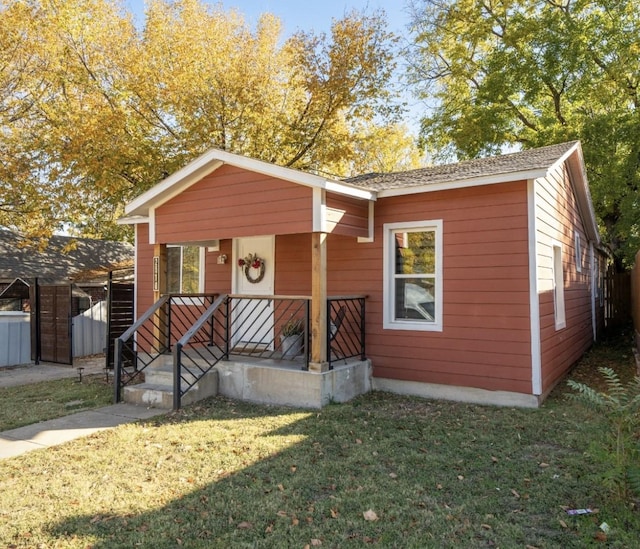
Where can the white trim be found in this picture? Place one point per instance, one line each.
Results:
(136, 285)
(371, 226)
(355, 192)
(319, 211)
(577, 245)
(464, 183)
(388, 280)
(455, 393)
(534, 299)
(214, 159)
(152, 225)
(559, 306)
(133, 220)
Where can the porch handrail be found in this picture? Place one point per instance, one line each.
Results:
(146, 316)
(178, 381)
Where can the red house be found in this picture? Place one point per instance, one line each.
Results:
(478, 281)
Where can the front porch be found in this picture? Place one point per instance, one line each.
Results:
(255, 348)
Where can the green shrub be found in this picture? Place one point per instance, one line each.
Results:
(620, 449)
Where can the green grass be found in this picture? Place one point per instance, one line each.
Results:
(229, 474)
(36, 402)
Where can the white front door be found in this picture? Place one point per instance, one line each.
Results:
(253, 324)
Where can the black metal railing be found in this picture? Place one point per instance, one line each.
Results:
(345, 328)
(271, 327)
(200, 330)
(202, 346)
(153, 335)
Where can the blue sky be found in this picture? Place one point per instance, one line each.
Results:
(305, 14)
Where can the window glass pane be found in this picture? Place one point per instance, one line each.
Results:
(173, 270)
(415, 299)
(190, 269)
(415, 252)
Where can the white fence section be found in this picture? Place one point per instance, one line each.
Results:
(90, 331)
(15, 338)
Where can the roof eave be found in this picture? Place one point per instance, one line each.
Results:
(463, 183)
(214, 159)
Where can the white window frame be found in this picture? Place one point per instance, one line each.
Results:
(577, 242)
(557, 274)
(189, 301)
(389, 320)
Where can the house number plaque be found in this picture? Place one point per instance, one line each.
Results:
(156, 273)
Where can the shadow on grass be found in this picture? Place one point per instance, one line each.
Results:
(435, 474)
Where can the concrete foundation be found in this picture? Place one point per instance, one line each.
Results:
(293, 387)
(458, 394)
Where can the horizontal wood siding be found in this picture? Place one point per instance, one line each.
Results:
(486, 341)
(293, 264)
(347, 216)
(217, 277)
(144, 270)
(231, 202)
(558, 219)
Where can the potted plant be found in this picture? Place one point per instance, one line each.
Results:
(291, 337)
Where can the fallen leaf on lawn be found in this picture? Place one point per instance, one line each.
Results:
(334, 513)
(358, 441)
(282, 513)
(486, 526)
(268, 529)
(295, 521)
(543, 465)
(515, 493)
(293, 468)
(95, 519)
(439, 486)
(460, 477)
(315, 542)
(530, 547)
(494, 459)
(563, 524)
(244, 525)
(281, 487)
(393, 475)
(600, 536)
(370, 515)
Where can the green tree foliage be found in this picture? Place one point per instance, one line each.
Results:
(93, 110)
(509, 73)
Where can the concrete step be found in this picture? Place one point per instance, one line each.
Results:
(156, 395)
(162, 374)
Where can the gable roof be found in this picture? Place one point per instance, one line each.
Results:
(527, 164)
(215, 158)
(99, 256)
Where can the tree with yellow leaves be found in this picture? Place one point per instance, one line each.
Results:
(94, 111)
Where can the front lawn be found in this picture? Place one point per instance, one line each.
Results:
(27, 404)
(383, 470)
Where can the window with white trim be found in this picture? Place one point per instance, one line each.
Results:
(185, 269)
(413, 276)
(558, 287)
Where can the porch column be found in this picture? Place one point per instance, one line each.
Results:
(318, 362)
(160, 288)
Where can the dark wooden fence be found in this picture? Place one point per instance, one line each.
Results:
(617, 313)
(635, 299)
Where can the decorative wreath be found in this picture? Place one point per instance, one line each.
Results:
(249, 263)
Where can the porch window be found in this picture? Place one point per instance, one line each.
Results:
(185, 273)
(413, 276)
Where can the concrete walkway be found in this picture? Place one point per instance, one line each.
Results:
(58, 431)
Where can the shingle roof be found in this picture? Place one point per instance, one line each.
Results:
(54, 262)
(533, 159)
